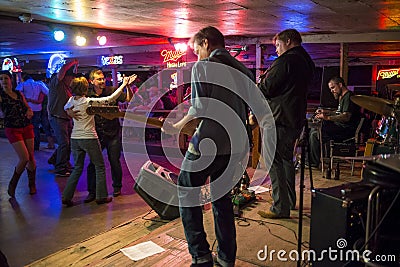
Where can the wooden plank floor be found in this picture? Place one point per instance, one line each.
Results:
(104, 249)
(104, 246)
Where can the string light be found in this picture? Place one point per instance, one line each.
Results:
(59, 35)
(80, 40)
(102, 40)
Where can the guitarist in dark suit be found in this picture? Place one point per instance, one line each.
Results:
(109, 133)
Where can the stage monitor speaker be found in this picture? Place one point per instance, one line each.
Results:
(157, 186)
(337, 213)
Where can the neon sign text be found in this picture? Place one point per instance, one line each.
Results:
(112, 60)
(388, 73)
(176, 64)
(171, 55)
(11, 65)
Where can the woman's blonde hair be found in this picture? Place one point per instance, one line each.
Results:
(79, 86)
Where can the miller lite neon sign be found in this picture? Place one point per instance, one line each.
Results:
(173, 58)
(388, 73)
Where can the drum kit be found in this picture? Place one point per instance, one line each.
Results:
(388, 127)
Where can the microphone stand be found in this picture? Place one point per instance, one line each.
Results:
(305, 147)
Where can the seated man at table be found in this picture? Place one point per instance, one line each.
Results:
(337, 125)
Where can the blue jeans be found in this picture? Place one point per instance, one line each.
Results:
(36, 119)
(114, 147)
(62, 131)
(192, 217)
(44, 118)
(79, 149)
(282, 172)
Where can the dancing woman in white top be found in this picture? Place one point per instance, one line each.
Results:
(84, 139)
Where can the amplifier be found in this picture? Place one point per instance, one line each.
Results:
(337, 213)
(344, 149)
(157, 186)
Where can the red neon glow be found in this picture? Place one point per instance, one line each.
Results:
(172, 55)
(387, 73)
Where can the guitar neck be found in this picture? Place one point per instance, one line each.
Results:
(188, 129)
(140, 118)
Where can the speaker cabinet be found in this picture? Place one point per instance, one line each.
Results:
(157, 186)
(337, 212)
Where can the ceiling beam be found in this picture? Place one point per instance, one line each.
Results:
(353, 38)
(325, 38)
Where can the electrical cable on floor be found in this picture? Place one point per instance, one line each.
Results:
(262, 222)
(305, 263)
(239, 220)
(153, 220)
(306, 244)
(144, 216)
(128, 222)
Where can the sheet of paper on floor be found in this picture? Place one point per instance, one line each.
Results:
(142, 250)
(258, 189)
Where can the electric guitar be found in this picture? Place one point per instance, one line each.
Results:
(113, 112)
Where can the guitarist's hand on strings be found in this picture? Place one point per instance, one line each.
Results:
(168, 127)
(186, 125)
(75, 114)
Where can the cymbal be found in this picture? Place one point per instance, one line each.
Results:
(375, 104)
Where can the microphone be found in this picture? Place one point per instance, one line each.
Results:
(239, 49)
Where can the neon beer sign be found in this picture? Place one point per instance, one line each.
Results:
(388, 73)
(173, 58)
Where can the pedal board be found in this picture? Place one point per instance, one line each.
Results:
(242, 200)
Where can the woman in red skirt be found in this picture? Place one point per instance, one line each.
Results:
(19, 131)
